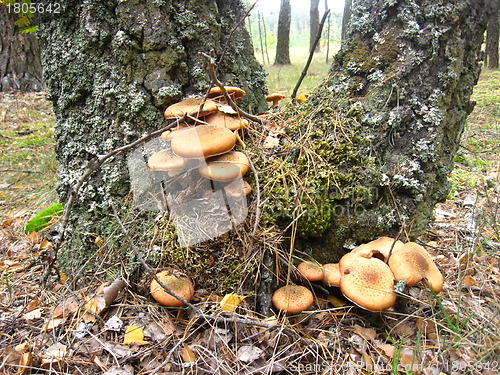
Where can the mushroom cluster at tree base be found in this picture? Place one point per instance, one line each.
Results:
(366, 275)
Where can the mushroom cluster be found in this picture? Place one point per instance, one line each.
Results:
(366, 275)
(205, 141)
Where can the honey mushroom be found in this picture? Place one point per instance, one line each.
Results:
(178, 283)
(292, 299)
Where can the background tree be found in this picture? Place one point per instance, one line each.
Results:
(111, 68)
(371, 150)
(346, 18)
(20, 65)
(283, 43)
(492, 36)
(314, 23)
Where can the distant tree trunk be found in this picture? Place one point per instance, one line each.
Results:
(313, 23)
(20, 66)
(492, 36)
(283, 44)
(345, 19)
(370, 151)
(111, 68)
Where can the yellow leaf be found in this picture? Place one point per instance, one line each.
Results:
(231, 301)
(336, 302)
(134, 336)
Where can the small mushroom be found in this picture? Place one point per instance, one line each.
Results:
(378, 248)
(225, 167)
(275, 98)
(203, 141)
(166, 160)
(412, 263)
(311, 271)
(178, 283)
(332, 274)
(191, 106)
(367, 282)
(292, 299)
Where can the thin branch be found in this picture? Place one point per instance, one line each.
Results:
(215, 80)
(311, 54)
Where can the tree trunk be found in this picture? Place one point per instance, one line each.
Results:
(492, 36)
(346, 17)
(20, 66)
(111, 68)
(370, 152)
(283, 44)
(314, 24)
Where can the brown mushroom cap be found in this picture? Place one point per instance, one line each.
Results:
(179, 284)
(203, 141)
(191, 106)
(225, 167)
(293, 299)
(412, 263)
(238, 188)
(166, 160)
(220, 119)
(367, 282)
(332, 274)
(378, 248)
(233, 92)
(311, 271)
(275, 98)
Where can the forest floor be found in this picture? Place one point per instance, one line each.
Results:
(46, 329)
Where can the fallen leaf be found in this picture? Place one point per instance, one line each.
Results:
(65, 309)
(113, 324)
(249, 353)
(336, 302)
(93, 306)
(25, 363)
(54, 353)
(469, 281)
(45, 244)
(403, 329)
(231, 301)
(34, 314)
(388, 349)
(367, 333)
(32, 305)
(52, 323)
(7, 222)
(134, 336)
(187, 354)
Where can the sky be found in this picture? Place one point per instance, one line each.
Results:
(336, 6)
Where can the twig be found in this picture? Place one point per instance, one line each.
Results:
(215, 80)
(311, 54)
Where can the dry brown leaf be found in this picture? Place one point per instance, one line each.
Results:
(367, 333)
(187, 354)
(45, 244)
(403, 329)
(469, 281)
(34, 314)
(32, 305)
(25, 363)
(52, 323)
(388, 349)
(7, 222)
(34, 237)
(65, 309)
(54, 354)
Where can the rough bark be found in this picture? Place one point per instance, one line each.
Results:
(313, 24)
(20, 66)
(283, 43)
(492, 36)
(383, 129)
(111, 68)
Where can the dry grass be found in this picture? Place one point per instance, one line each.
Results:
(456, 332)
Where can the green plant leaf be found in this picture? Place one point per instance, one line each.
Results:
(43, 218)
